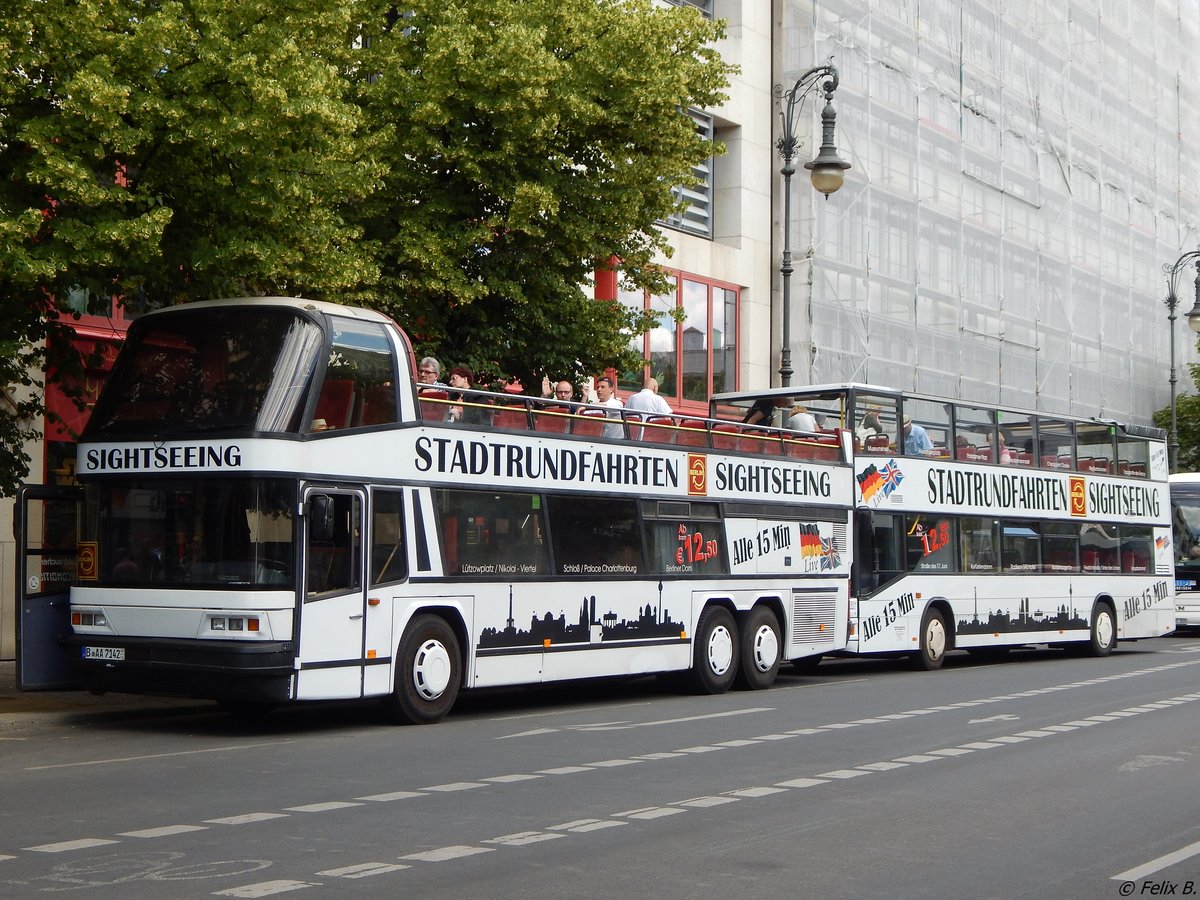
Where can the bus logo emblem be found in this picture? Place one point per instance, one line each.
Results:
(85, 561)
(697, 475)
(1078, 497)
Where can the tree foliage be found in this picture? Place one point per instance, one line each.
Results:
(1187, 415)
(463, 165)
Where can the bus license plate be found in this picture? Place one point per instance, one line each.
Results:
(112, 653)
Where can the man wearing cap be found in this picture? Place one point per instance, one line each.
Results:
(916, 439)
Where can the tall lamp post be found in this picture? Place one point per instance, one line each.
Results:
(1173, 271)
(827, 174)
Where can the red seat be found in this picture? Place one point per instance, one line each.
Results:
(691, 433)
(335, 405)
(514, 417)
(724, 436)
(434, 404)
(660, 429)
(589, 423)
(378, 406)
(877, 443)
(1022, 458)
(554, 419)
(754, 440)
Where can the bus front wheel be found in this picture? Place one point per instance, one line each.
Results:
(428, 672)
(932, 652)
(715, 652)
(761, 650)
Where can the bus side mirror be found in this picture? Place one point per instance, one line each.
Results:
(320, 517)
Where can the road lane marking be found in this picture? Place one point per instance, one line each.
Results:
(322, 807)
(266, 889)
(66, 846)
(125, 759)
(393, 795)
(444, 854)
(364, 870)
(247, 818)
(1140, 872)
(164, 831)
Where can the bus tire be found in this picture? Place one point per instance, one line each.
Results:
(715, 652)
(932, 652)
(428, 672)
(1104, 631)
(761, 650)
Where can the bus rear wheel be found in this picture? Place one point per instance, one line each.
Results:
(715, 652)
(428, 672)
(760, 651)
(932, 652)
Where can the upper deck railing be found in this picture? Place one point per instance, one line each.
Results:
(484, 409)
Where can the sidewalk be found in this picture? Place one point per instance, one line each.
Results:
(24, 706)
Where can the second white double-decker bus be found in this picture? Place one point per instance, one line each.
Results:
(985, 527)
(271, 512)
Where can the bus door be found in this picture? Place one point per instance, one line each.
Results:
(333, 595)
(46, 526)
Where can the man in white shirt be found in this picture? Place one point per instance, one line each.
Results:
(647, 401)
(606, 395)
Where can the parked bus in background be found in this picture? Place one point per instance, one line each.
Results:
(985, 527)
(1185, 520)
(271, 512)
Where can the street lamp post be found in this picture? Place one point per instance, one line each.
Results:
(1173, 271)
(827, 174)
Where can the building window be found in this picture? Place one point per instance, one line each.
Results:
(696, 356)
(705, 6)
(696, 216)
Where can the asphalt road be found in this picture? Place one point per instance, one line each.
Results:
(1042, 775)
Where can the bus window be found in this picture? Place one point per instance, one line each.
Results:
(387, 537)
(1137, 548)
(1133, 455)
(1060, 546)
(488, 533)
(1094, 448)
(930, 432)
(685, 538)
(1056, 443)
(889, 543)
(1098, 545)
(360, 380)
(875, 424)
(930, 544)
(1020, 547)
(1017, 431)
(334, 559)
(974, 434)
(978, 539)
(599, 537)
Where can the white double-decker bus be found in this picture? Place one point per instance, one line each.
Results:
(271, 512)
(986, 527)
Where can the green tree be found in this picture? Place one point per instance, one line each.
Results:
(464, 166)
(528, 143)
(1187, 415)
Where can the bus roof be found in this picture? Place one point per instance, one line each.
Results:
(298, 303)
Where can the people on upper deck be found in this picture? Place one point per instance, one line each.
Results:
(471, 411)
(800, 419)
(429, 371)
(1005, 456)
(763, 410)
(647, 400)
(916, 439)
(606, 395)
(561, 390)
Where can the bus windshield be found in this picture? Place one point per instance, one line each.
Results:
(206, 370)
(203, 532)
(1185, 522)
